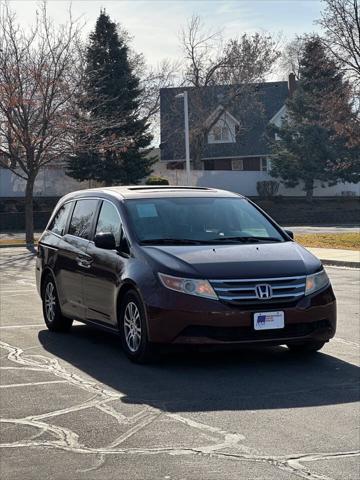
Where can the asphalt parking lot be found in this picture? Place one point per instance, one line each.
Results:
(73, 407)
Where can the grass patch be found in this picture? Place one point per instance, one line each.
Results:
(345, 241)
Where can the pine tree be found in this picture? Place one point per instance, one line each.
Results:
(115, 149)
(316, 140)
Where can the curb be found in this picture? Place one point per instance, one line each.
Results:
(340, 263)
(15, 245)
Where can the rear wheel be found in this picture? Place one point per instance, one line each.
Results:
(53, 317)
(306, 347)
(133, 330)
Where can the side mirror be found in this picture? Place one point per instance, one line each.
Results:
(290, 233)
(105, 240)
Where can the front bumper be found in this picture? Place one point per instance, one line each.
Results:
(184, 319)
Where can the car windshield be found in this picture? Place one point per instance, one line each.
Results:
(200, 220)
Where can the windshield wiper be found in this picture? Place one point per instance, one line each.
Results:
(170, 241)
(189, 241)
(246, 239)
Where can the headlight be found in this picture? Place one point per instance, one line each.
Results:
(191, 286)
(316, 282)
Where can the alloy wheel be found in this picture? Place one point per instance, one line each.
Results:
(50, 302)
(132, 327)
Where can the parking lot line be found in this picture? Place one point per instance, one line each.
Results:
(31, 384)
(3, 327)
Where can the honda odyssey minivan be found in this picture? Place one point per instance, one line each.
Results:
(180, 265)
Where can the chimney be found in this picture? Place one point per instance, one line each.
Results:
(291, 84)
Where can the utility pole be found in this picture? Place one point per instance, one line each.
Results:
(184, 95)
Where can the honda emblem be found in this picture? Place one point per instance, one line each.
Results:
(263, 291)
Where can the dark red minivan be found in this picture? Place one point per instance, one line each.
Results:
(180, 265)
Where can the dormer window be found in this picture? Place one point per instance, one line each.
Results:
(224, 130)
(221, 133)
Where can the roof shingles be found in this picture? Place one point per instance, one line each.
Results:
(254, 115)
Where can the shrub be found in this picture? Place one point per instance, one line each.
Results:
(153, 180)
(267, 188)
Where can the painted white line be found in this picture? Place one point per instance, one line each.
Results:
(18, 294)
(15, 290)
(32, 384)
(22, 368)
(4, 327)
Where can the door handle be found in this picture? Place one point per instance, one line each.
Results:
(84, 262)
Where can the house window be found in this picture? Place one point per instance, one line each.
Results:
(224, 130)
(265, 164)
(218, 164)
(221, 133)
(237, 164)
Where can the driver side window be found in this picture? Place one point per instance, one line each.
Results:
(109, 221)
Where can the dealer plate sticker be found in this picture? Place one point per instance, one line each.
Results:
(268, 320)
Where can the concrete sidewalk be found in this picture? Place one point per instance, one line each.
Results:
(16, 236)
(335, 256)
(314, 229)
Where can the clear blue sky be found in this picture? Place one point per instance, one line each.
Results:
(155, 24)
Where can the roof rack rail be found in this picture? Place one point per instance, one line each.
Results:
(165, 187)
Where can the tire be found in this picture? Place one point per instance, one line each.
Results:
(306, 348)
(53, 317)
(133, 329)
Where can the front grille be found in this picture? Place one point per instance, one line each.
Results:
(244, 291)
(237, 334)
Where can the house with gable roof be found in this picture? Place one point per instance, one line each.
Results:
(235, 134)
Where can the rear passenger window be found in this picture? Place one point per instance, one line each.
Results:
(58, 224)
(109, 221)
(82, 218)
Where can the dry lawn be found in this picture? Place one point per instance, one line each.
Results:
(345, 241)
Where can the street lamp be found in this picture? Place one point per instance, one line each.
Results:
(184, 95)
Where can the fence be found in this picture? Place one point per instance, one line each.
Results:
(245, 182)
(286, 211)
(50, 182)
(15, 221)
(53, 182)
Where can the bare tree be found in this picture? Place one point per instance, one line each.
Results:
(38, 80)
(202, 51)
(237, 63)
(152, 79)
(341, 23)
(291, 56)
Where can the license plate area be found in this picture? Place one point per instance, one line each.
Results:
(268, 320)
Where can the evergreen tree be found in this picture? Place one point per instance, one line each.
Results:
(316, 140)
(114, 146)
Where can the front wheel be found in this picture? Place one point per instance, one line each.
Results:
(133, 331)
(53, 317)
(306, 347)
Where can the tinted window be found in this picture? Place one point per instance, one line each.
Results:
(82, 218)
(109, 221)
(201, 219)
(58, 224)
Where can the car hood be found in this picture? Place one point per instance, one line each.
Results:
(233, 261)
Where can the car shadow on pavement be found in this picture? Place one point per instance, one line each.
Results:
(245, 379)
